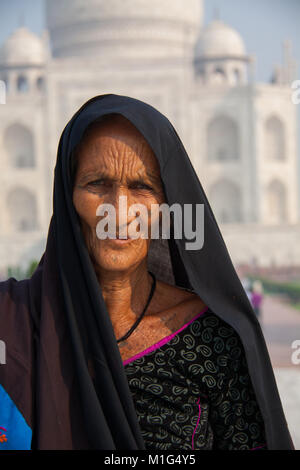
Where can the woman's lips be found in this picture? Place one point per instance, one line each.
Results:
(120, 241)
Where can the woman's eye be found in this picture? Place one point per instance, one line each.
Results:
(97, 182)
(141, 186)
(103, 182)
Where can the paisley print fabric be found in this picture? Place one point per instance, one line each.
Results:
(194, 392)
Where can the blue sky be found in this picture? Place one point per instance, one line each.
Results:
(264, 25)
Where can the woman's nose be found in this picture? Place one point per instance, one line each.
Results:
(121, 200)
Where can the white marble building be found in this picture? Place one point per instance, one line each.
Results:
(241, 135)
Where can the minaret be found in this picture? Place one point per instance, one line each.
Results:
(289, 64)
(285, 73)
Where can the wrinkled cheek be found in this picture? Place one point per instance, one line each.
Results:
(86, 207)
(88, 221)
(88, 229)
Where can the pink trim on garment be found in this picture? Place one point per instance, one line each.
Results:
(198, 403)
(255, 448)
(162, 341)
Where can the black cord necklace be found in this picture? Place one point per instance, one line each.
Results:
(134, 326)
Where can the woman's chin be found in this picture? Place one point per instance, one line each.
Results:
(118, 260)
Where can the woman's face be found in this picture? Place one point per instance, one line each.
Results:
(115, 160)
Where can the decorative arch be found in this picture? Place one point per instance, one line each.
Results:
(236, 75)
(218, 76)
(22, 84)
(274, 139)
(226, 201)
(222, 139)
(19, 145)
(3, 89)
(22, 210)
(40, 83)
(276, 202)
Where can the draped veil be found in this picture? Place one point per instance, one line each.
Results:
(63, 313)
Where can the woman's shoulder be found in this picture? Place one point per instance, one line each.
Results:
(176, 305)
(219, 341)
(15, 318)
(15, 292)
(13, 295)
(213, 326)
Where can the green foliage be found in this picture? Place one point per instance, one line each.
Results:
(291, 290)
(20, 273)
(31, 268)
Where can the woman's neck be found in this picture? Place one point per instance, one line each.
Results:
(125, 294)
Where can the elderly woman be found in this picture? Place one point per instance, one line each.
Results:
(132, 342)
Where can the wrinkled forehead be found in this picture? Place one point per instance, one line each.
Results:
(113, 137)
(116, 132)
(112, 125)
(152, 124)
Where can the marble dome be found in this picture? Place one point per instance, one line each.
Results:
(220, 40)
(123, 28)
(23, 47)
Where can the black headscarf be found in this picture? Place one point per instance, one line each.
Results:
(71, 324)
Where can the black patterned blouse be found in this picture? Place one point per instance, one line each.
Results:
(192, 390)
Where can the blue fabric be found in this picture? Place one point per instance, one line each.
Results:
(16, 431)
